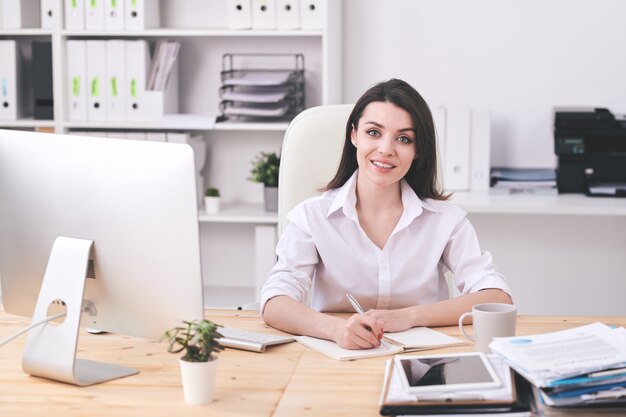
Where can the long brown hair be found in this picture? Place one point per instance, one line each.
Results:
(422, 174)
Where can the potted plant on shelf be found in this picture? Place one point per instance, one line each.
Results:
(198, 366)
(212, 200)
(265, 169)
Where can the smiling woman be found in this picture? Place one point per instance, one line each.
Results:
(383, 232)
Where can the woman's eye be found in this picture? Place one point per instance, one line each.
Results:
(373, 132)
(405, 139)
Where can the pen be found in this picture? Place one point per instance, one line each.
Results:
(355, 304)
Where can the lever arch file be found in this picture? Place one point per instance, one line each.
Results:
(239, 14)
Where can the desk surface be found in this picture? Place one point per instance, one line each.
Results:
(288, 380)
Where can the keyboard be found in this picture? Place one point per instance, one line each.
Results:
(250, 340)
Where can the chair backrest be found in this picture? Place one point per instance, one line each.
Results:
(310, 155)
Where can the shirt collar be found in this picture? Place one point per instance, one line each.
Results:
(345, 199)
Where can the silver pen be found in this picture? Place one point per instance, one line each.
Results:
(355, 304)
(357, 307)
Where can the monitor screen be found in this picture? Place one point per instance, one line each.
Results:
(136, 200)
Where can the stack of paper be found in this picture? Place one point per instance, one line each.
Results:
(524, 180)
(164, 60)
(580, 366)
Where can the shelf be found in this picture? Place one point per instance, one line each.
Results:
(267, 126)
(563, 204)
(28, 122)
(189, 33)
(26, 32)
(228, 297)
(239, 213)
(169, 122)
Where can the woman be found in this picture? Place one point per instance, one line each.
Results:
(383, 232)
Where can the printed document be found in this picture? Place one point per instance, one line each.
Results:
(545, 358)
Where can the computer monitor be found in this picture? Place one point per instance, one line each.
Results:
(112, 224)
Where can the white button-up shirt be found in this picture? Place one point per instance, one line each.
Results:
(324, 249)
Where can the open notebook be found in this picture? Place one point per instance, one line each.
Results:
(417, 338)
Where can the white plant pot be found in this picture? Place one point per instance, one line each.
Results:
(212, 204)
(198, 381)
(270, 198)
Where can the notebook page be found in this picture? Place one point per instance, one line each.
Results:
(423, 338)
(334, 351)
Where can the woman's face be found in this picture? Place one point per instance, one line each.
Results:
(385, 143)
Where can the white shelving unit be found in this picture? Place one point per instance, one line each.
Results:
(238, 243)
(564, 204)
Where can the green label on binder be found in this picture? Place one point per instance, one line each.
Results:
(114, 4)
(133, 88)
(74, 4)
(75, 86)
(114, 86)
(134, 4)
(93, 4)
(95, 87)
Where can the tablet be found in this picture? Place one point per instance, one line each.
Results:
(446, 373)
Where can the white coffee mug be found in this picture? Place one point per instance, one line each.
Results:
(489, 321)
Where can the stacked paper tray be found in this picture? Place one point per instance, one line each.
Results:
(259, 94)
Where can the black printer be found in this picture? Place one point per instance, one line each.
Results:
(591, 149)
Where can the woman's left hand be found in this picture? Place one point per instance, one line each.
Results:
(392, 320)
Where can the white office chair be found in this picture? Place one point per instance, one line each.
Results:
(310, 155)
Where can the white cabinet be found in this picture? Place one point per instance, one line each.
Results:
(237, 244)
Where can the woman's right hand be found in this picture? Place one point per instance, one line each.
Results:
(359, 332)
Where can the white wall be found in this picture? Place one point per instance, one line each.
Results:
(516, 58)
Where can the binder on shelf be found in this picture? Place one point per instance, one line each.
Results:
(480, 151)
(457, 154)
(48, 13)
(142, 14)
(312, 14)
(74, 14)
(12, 86)
(135, 135)
(116, 135)
(137, 66)
(94, 14)
(43, 98)
(115, 80)
(20, 14)
(239, 14)
(143, 104)
(263, 14)
(76, 80)
(156, 136)
(287, 14)
(114, 14)
(96, 78)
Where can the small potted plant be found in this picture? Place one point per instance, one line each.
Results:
(265, 169)
(212, 200)
(198, 365)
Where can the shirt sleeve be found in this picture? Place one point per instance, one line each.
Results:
(292, 275)
(473, 269)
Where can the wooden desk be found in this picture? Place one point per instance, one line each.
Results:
(287, 380)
